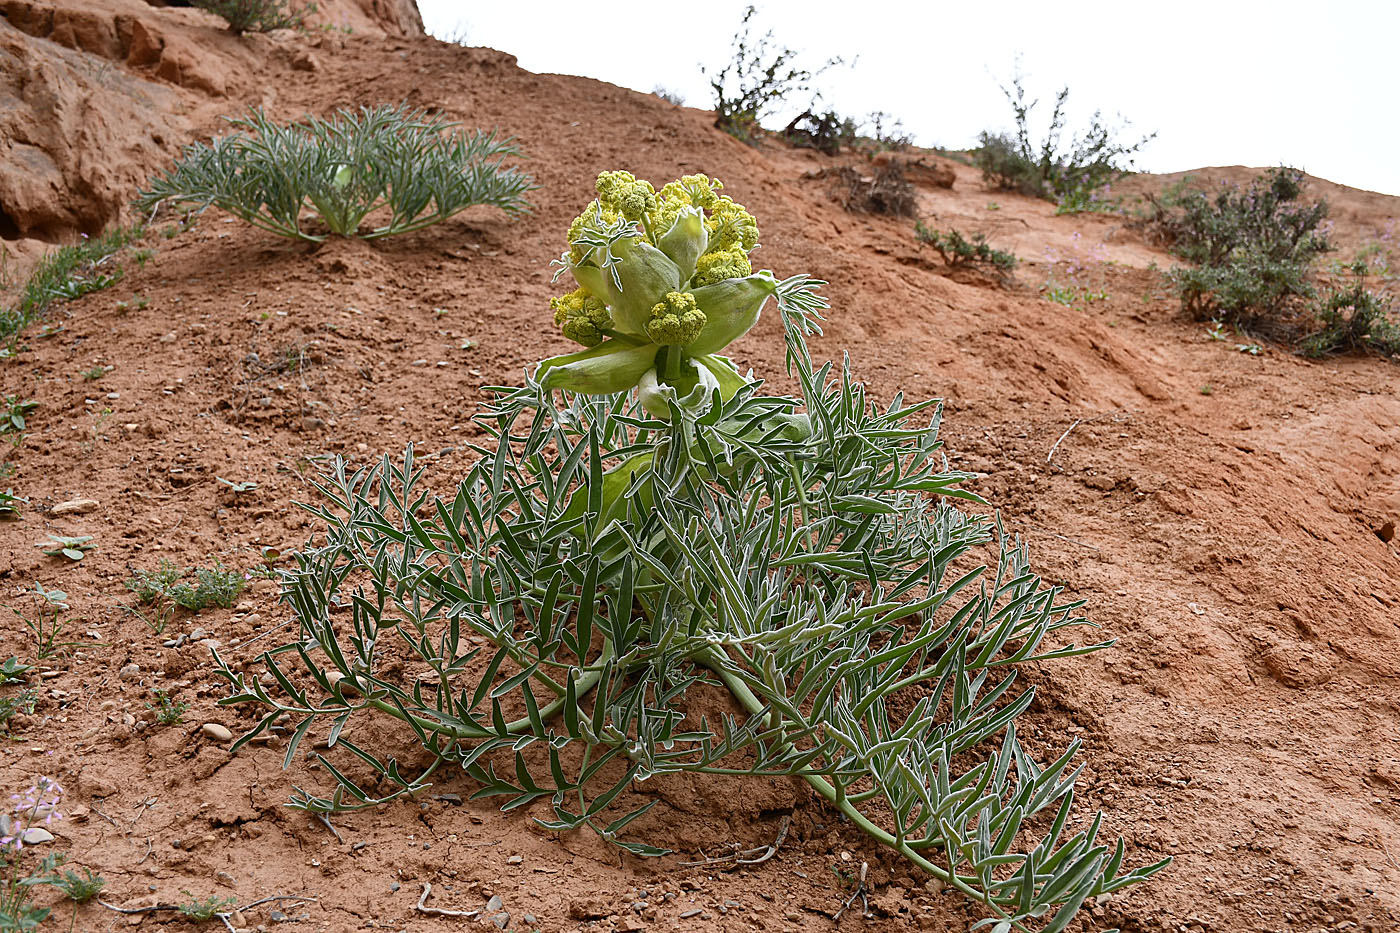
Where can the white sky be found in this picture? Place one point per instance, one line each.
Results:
(1313, 85)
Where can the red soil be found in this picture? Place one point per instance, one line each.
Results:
(1245, 724)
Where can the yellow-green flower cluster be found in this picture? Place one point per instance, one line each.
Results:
(581, 317)
(684, 237)
(675, 320)
(664, 284)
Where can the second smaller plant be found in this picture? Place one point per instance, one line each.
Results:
(256, 15)
(958, 250)
(392, 159)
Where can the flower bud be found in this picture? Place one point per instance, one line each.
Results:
(731, 308)
(612, 366)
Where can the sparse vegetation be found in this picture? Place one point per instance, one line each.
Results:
(1066, 172)
(1355, 319)
(403, 162)
(68, 273)
(957, 250)
(206, 908)
(760, 76)
(257, 15)
(21, 702)
(14, 412)
(825, 132)
(168, 712)
(213, 587)
(45, 621)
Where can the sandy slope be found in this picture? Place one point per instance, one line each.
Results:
(1246, 722)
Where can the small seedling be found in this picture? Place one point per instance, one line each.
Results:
(993, 206)
(13, 411)
(1253, 349)
(47, 624)
(13, 671)
(206, 909)
(95, 373)
(1217, 331)
(168, 711)
(10, 503)
(71, 548)
(22, 702)
(1207, 389)
(78, 888)
(238, 486)
(135, 303)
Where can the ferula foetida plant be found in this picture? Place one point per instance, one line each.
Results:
(405, 168)
(634, 530)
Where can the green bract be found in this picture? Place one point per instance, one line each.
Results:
(664, 274)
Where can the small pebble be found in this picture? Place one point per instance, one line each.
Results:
(130, 672)
(515, 860)
(494, 904)
(216, 732)
(37, 834)
(501, 920)
(687, 914)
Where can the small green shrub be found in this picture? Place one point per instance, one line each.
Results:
(958, 250)
(256, 15)
(213, 587)
(168, 712)
(68, 272)
(759, 77)
(1052, 170)
(1355, 319)
(346, 168)
(1251, 249)
(205, 908)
